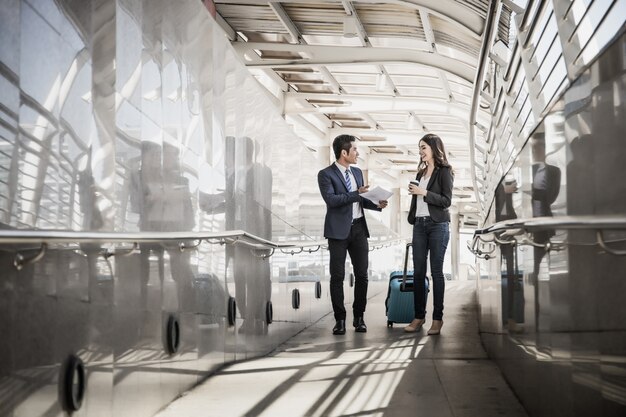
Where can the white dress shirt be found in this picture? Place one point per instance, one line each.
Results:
(421, 208)
(357, 211)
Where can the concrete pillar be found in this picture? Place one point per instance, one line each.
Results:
(398, 215)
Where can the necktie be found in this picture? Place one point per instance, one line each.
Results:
(348, 182)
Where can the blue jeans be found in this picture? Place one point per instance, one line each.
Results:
(429, 236)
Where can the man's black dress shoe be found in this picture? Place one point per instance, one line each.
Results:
(359, 325)
(340, 327)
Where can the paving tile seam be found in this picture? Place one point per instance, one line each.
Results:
(445, 392)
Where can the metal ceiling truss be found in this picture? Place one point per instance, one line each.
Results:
(410, 69)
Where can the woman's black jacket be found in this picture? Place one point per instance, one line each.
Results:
(439, 195)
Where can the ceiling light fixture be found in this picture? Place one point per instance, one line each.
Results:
(349, 27)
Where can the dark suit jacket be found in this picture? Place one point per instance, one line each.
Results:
(339, 201)
(439, 195)
(504, 204)
(546, 196)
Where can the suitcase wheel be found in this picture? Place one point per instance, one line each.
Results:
(389, 323)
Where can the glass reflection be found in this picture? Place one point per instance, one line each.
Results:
(114, 119)
(246, 203)
(512, 289)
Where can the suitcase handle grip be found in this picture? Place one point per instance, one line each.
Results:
(406, 262)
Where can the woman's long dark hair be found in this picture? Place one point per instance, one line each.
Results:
(439, 153)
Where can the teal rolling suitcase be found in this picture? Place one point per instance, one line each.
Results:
(399, 304)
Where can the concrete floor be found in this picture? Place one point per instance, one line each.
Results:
(384, 372)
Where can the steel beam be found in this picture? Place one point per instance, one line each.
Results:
(347, 55)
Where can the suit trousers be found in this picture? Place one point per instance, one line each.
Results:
(356, 245)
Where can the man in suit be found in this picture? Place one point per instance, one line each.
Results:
(512, 288)
(346, 229)
(545, 190)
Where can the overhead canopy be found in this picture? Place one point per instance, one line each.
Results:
(385, 71)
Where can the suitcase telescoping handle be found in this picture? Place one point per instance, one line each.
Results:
(406, 263)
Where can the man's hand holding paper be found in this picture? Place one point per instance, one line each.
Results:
(378, 196)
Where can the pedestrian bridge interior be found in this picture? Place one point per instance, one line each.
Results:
(161, 226)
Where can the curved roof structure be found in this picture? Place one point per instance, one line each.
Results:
(385, 71)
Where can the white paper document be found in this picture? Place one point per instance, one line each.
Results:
(376, 194)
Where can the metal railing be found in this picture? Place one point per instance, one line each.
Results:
(492, 20)
(520, 232)
(40, 240)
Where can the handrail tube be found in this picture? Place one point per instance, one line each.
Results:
(602, 243)
(21, 236)
(65, 236)
(561, 222)
(491, 27)
(518, 226)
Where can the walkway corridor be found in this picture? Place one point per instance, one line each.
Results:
(384, 372)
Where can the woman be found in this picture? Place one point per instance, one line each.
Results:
(432, 192)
